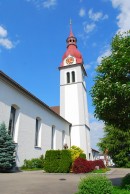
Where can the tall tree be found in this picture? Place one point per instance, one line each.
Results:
(117, 142)
(7, 149)
(111, 90)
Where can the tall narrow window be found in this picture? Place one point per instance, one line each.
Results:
(70, 134)
(53, 138)
(68, 77)
(63, 138)
(11, 129)
(36, 132)
(73, 76)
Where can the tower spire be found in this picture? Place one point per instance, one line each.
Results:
(71, 33)
(71, 40)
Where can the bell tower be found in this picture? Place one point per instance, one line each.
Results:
(73, 95)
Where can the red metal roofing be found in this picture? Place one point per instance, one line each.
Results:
(72, 49)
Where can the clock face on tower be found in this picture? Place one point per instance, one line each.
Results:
(69, 60)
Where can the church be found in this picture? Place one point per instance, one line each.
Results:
(34, 126)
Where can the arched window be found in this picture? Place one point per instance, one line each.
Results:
(63, 138)
(73, 76)
(37, 132)
(11, 129)
(53, 138)
(70, 134)
(68, 77)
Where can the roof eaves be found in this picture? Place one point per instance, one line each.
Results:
(14, 83)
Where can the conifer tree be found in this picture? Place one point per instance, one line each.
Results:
(7, 149)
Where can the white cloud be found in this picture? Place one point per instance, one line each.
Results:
(6, 43)
(88, 66)
(94, 16)
(3, 32)
(49, 3)
(4, 40)
(89, 27)
(43, 3)
(96, 130)
(124, 15)
(106, 53)
(97, 15)
(82, 12)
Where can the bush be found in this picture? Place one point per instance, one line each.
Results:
(75, 152)
(34, 163)
(126, 182)
(99, 163)
(57, 161)
(82, 155)
(81, 165)
(95, 185)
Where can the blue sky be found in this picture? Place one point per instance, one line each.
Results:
(33, 40)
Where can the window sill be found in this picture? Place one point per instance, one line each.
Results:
(37, 147)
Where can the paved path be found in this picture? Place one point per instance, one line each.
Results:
(37, 182)
(117, 174)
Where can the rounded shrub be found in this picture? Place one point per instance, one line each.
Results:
(34, 163)
(99, 163)
(81, 165)
(126, 182)
(75, 152)
(95, 185)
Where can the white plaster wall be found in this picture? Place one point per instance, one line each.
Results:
(73, 98)
(80, 138)
(74, 108)
(25, 123)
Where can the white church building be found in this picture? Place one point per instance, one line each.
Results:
(34, 126)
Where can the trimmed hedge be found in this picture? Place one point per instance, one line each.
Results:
(57, 161)
(81, 165)
(95, 185)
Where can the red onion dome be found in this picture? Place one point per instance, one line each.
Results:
(72, 50)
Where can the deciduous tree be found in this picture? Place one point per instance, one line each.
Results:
(111, 90)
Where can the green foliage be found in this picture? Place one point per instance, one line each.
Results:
(82, 155)
(111, 91)
(75, 152)
(35, 163)
(101, 170)
(7, 149)
(118, 190)
(57, 161)
(117, 142)
(95, 185)
(126, 182)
